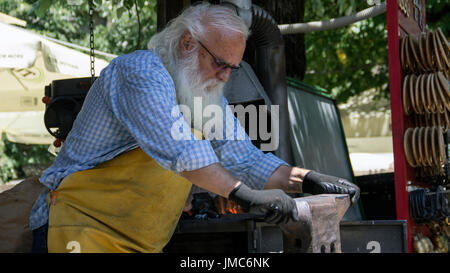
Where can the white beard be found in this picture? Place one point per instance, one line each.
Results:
(188, 87)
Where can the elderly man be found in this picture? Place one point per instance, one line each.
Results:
(121, 179)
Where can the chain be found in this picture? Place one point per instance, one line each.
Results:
(139, 26)
(91, 29)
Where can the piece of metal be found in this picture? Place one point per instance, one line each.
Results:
(246, 80)
(317, 230)
(266, 48)
(333, 23)
(243, 9)
(243, 4)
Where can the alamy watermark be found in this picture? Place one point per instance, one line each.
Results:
(74, 2)
(218, 123)
(373, 2)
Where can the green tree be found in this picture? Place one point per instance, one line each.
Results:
(116, 27)
(347, 60)
(438, 15)
(353, 59)
(19, 160)
(116, 31)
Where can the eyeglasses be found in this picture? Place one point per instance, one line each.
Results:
(218, 62)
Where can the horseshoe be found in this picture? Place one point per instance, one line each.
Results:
(422, 40)
(420, 146)
(440, 91)
(434, 151)
(440, 65)
(441, 147)
(443, 39)
(414, 146)
(407, 147)
(428, 46)
(447, 120)
(444, 83)
(412, 45)
(423, 94)
(412, 81)
(402, 55)
(427, 145)
(439, 42)
(419, 106)
(406, 98)
(430, 103)
(439, 105)
(409, 62)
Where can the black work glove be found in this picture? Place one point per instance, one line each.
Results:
(277, 206)
(317, 183)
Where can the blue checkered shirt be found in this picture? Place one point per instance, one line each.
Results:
(133, 104)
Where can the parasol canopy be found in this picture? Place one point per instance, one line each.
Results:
(29, 62)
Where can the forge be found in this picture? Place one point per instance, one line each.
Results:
(216, 225)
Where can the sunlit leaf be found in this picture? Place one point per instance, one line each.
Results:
(120, 12)
(43, 7)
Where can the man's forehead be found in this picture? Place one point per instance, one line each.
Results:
(224, 42)
(215, 34)
(227, 47)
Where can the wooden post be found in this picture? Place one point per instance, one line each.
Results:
(169, 9)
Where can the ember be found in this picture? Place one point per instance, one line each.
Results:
(225, 206)
(204, 207)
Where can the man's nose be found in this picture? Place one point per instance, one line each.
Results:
(223, 74)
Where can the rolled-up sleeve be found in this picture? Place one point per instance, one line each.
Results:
(240, 157)
(147, 108)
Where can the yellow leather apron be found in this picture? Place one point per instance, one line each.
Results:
(127, 204)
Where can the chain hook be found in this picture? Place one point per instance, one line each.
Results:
(91, 30)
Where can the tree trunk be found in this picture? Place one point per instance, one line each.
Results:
(169, 9)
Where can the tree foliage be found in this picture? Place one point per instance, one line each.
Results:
(353, 59)
(345, 61)
(438, 15)
(116, 31)
(348, 60)
(16, 159)
(116, 28)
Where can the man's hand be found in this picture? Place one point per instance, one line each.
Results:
(316, 183)
(277, 206)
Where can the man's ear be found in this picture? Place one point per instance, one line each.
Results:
(186, 42)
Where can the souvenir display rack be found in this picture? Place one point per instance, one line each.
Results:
(419, 73)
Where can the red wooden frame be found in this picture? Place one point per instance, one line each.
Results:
(399, 25)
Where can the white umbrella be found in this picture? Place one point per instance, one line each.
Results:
(25, 127)
(29, 62)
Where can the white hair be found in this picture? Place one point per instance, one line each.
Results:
(196, 19)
